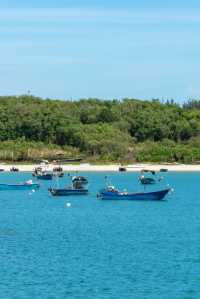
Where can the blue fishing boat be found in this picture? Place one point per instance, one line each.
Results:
(21, 186)
(76, 188)
(45, 176)
(111, 193)
(67, 191)
(42, 174)
(149, 180)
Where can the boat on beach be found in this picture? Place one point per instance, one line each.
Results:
(122, 168)
(14, 169)
(111, 193)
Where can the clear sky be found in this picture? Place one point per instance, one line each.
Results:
(106, 49)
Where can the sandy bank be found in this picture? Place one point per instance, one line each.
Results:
(105, 168)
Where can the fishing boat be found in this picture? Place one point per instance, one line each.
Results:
(146, 180)
(122, 168)
(67, 191)
(111, 193)
(58, 171)
(28, 185)
(45, 176)
(37, 171)
(163, 170)
(76, 188)
(79, 179)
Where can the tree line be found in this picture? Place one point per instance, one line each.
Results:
(99, 130)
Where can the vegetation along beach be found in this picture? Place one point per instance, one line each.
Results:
(99, 131)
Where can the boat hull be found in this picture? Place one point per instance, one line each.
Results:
(18, 187)
(46, 177)
(67, 192)
(156, 195)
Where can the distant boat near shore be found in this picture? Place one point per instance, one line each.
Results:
(122, 168)
(14, 169)
(163, 170)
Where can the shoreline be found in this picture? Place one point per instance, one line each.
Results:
(86, 167)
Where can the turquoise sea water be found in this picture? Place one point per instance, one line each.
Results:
(100, 249)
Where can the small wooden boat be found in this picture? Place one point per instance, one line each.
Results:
(110, 193)
(122, 168)
(21, 186)
(68, 191)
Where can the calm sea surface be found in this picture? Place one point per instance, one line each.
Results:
(98, 249)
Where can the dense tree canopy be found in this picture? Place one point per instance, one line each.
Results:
(100, 130)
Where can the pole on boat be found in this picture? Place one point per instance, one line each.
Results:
(57, 182)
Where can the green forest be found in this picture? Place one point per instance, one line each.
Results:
(124, 131)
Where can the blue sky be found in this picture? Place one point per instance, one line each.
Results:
(74, 49)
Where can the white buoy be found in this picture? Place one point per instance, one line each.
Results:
(33, 190)
(68, 204)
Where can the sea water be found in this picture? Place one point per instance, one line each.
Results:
(82, 247)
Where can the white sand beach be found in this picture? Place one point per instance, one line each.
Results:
(86, 167)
